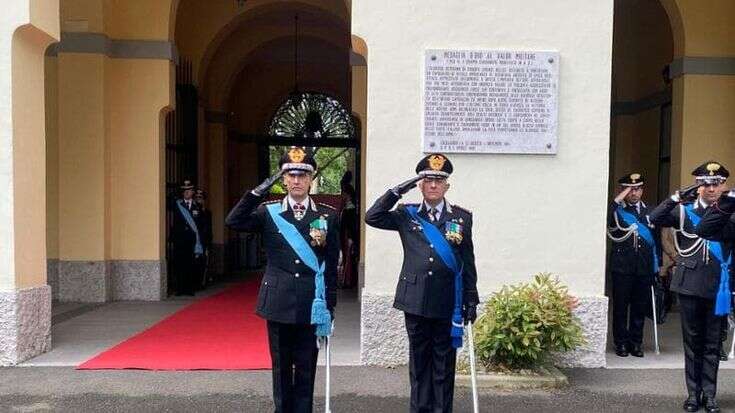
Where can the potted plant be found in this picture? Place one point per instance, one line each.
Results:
(519, 329)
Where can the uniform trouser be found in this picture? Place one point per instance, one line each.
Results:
(431, 364)
(702, 330)
(185, 270)
(293, 357)
(634, 293)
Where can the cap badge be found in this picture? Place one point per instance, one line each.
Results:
(436, 162)
(712, 168)
(634, 178)
(296, 155)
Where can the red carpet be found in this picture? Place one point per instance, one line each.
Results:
(220, 332)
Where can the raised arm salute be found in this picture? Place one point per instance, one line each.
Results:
(633, 263)
(437, 284)
(701, 279)
(298, 293)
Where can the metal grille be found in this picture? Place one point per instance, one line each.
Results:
(181, 147)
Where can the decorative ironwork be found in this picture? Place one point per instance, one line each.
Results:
(312, 115)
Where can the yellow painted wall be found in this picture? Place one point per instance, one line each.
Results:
(135, 92)
(702, 104)
(138, 19)
(29, 148)
(82, 186)
(51, 84)
(82, 16)
(708, 27)
(708, 122)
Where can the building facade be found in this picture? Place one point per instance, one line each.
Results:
(106, 105)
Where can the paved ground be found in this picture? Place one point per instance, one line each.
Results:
(356, 389)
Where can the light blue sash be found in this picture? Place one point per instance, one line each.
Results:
(722, 303)
(442, 247)
(643, 231)
(198, 250)
(320, 315)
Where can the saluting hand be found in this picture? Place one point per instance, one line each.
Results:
(406, 186)
(266, 185)
(688, 193)
(621, 196)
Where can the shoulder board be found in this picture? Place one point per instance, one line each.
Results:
(322, 204)
(462, 209)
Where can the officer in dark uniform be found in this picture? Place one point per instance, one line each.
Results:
(287, 290)
(697, 278)
(633, 262)
(204, 223)
(187, 241)
(426, 287)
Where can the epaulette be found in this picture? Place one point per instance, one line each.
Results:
(462, 209)
(322, 204)
(273, 201)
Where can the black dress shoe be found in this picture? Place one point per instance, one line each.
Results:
(621, 351)
(691, 404)
(636, 351)
(710, 405)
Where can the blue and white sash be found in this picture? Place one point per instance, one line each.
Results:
(643, 231)
(722, 303)
(198, 249)
(320, 315)
(442, 247)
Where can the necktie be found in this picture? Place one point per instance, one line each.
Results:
(432, 214)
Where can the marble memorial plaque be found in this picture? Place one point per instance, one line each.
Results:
(490, 101)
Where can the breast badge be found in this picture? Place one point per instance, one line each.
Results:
(453, 231)
(318, 231)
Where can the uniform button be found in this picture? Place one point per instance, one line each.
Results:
(296, 275)
(431, 259)
(431, 245)
(297, 261)
(431, 273)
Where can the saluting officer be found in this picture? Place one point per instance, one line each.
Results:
(187, 240)
(299, 235)
(633, 262)
(700, 278)
(437, 285)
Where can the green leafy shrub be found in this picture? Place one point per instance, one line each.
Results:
(523, 324)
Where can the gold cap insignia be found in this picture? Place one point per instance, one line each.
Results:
(296, 155)
(634, 178)
(712, 168)
(436, 162)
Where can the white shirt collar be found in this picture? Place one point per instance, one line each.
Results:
(439, 208)
(701, 203)
(638, 205)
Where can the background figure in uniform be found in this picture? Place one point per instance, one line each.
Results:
(426, 288)
(697, 280)
(187, 241)
(204, 223)
(634, 264)
(287, 290)
(349, 233)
